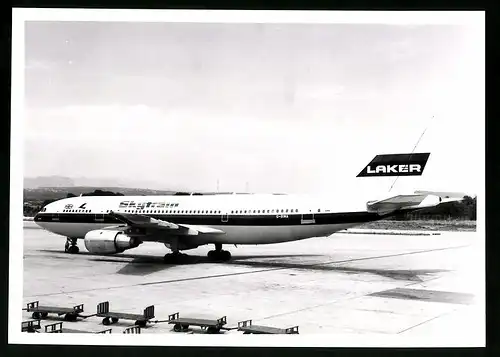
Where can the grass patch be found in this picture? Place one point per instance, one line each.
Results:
(425, 225)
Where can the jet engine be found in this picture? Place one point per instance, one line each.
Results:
(109, 242)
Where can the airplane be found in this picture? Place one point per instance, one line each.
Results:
(113, 224)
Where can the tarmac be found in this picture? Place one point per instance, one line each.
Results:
(363, 283)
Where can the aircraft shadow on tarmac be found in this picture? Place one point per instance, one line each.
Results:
(146, 264)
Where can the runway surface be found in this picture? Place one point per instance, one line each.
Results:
(346, 283)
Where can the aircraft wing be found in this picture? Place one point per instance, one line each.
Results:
(146, 222)
(418, 200)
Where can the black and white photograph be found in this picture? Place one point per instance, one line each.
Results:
(208, 177)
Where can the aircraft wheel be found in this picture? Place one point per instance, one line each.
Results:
(45, 314)
(114, 319)
(211, 255)
(106, 321)
(73, 249)
(175, 258)
(225, 255)
(177, 328)
(36, 315)
(212, 330)
(70, 317)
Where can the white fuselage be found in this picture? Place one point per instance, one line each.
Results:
(244, 219)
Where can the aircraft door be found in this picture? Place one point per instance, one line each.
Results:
(55, 217)
(307, 218)
(99, 217)
(224, 217)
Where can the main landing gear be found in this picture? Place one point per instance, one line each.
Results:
(175, 258)
(218, 254)
(70, 246)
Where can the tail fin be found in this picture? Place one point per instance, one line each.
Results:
(396, 165)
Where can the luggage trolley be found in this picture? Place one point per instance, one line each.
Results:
(58, 328)
(40, 311)
(67, 330)
(248, 328)
(182, 324)
(133, 330)
(113, 317)
(30, 326)
(54, 328)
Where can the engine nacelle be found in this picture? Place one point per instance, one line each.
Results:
(109, 242)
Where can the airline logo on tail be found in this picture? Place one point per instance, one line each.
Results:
(396, 165)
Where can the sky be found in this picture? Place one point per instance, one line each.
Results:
(297, 108)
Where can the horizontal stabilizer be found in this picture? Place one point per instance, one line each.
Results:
(443, 194)
(419, 200)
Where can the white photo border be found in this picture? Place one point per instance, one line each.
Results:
(21, 16)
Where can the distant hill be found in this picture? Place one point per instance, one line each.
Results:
(122, 183)
(48, 181)
(55, 193)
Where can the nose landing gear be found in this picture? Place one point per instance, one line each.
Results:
(71, 246)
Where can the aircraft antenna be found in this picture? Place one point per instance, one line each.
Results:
(418, 141)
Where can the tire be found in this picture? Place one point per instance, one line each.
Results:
(140, 323)
(106, 321)
(45, 314)
(184, 327)
(36, 316)
(211, 255)
(226, 255)
(114, 319)
(73, 249)
(177, 328)
(70, 317)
